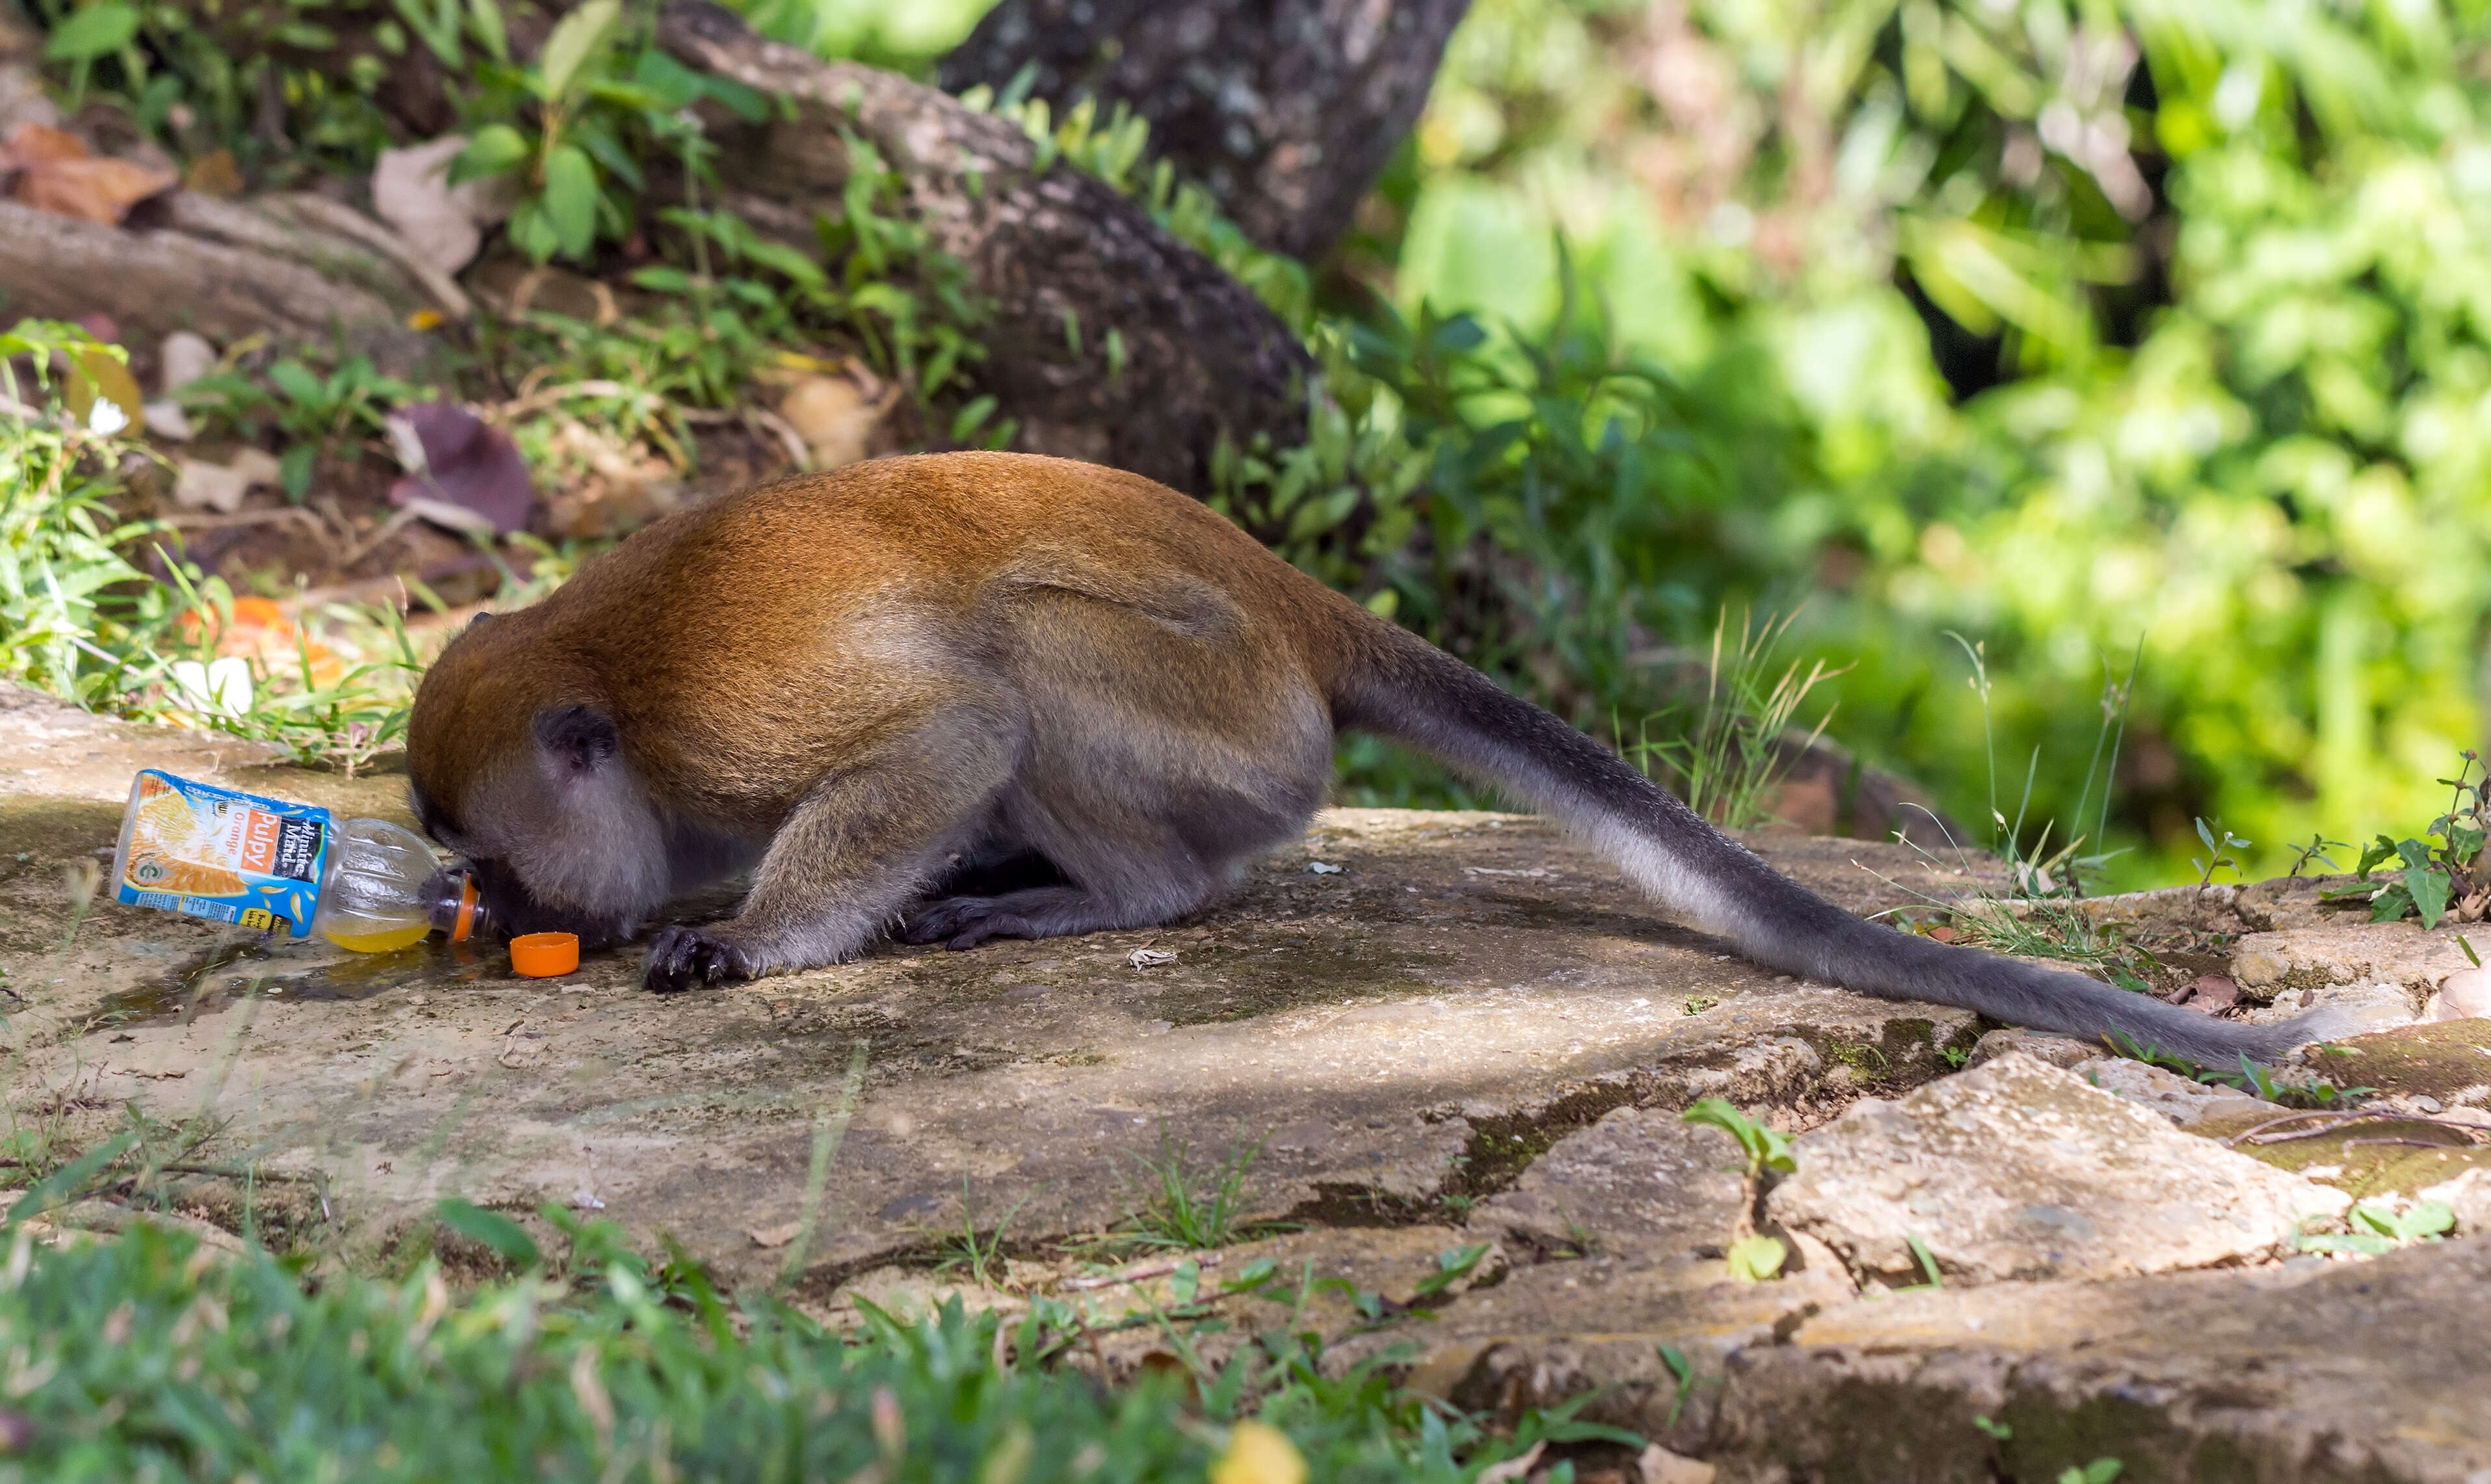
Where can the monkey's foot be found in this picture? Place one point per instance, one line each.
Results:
(684, 958)
(1041, 911)
(964, 923)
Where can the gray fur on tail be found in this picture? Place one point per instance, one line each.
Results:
(1401, 687)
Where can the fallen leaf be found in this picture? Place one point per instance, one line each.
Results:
(1659, 1466)
(1150, 958)
(54, 173)
(2464, 995)
(462, 472)
(183, 358)
(774, 1237)
(2212, 993)
(201, 485)
(834, 417)
(167, 420)
(444, 223)
(214, 174)
(1943, 933)
(97, 375)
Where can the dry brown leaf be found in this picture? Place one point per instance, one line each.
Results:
(97, 373)
(214, 174)
(54, 173)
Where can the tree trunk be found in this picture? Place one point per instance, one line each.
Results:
(1286, 109)
(1111, 341)
(225, 268)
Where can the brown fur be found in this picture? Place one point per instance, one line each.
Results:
(751, 649)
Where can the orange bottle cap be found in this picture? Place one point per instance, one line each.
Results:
(466, 920)
(542, 955)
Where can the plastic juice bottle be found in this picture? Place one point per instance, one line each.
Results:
(212, 853)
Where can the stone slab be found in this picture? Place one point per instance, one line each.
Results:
(2022, 1170)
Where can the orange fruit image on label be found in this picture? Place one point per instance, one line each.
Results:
(176, 847)
(189, 878)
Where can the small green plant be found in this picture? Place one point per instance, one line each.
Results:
(2316, 850)
(1753, 1257)
(981, 1256)
(2425, 876)
(1930, 1278)
(1697, 1004)
(1954, 1056)
(2100, 1471)
(574, 129)
(2219, 845)
(2043, 918)
(2251, 1078)
(1181, 1209)
(1117, 151)
(1452, 1265)
(1766, 1148)
(1997, 1429)
(1682, 1370)
(729, 302)
(2039, 873)
(2374, 1228)
(310, 412)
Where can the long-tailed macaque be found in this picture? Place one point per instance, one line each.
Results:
(851, 683)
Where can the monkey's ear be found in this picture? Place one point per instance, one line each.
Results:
(477, 620)
(577, 738)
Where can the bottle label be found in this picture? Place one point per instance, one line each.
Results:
(212, 853)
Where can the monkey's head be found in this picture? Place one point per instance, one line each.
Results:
(515, 762)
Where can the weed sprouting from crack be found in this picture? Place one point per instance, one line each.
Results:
(1175, 1208)
(966, 1250)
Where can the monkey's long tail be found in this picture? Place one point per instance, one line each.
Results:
(1398, 686)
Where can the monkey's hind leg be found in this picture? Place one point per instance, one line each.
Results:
(1060, 912)
(851, 856)
(1134, 861)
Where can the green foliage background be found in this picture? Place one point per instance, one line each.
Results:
(2212, 283)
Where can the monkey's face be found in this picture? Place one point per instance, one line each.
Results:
(536, 791)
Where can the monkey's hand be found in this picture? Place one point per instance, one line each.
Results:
(684, 958)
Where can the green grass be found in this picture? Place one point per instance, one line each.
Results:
(1179, 1207)
(1727, 756)
(980, 1255)
(151, 1356)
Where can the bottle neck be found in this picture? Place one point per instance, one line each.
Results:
(457, 913)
